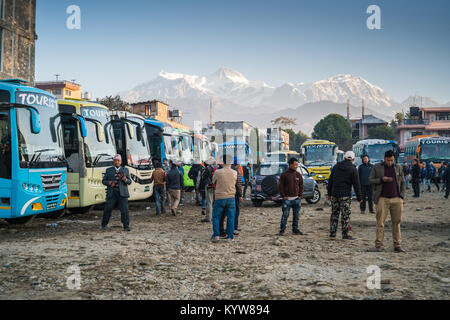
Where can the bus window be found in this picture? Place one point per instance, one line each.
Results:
(5, 146)
(71, 146)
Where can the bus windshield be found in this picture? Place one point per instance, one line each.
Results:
(376, 151)
(320, 154)
(138, 153)
(98, 153)
(40, 150)
(436, 152)
(154, 135)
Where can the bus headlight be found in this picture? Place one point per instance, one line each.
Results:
(25, 186)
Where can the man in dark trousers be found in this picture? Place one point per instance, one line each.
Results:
(388, 194)
(159, 188)
(343, 177)
(291, 190)
(446, 177)
(366, 188)
(415, 177)
(174, 185)
(247, 170)
(117, 180)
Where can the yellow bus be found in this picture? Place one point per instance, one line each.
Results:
(319, 156)
(88, 147)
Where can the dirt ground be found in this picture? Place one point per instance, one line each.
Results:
(172, 258)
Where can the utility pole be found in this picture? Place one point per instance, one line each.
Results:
(348, 109)
(210, 114)
(57, 76)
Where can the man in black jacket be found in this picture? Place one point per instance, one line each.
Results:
(343, 176)
(194, 175)
(415, 174)
(366, 188)
(174, 185)
(446, 177)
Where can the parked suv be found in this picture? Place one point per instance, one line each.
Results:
(265, 183)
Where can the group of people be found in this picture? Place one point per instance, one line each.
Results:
(426, 174)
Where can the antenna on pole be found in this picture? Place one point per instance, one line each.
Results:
(57, 76)
(210, 113)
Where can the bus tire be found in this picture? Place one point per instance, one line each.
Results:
(257, 203)
(22, 220)
(81, 210)
(53, 215)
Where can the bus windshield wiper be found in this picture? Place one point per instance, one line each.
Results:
(98, 157)
(37, 155)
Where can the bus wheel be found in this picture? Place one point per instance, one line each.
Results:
(81, 210)
(23, 220)
(53, 215)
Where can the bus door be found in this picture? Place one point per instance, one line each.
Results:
(5, 162)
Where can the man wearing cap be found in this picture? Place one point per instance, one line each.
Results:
(117, 179)
(343, 177)
(389, 191)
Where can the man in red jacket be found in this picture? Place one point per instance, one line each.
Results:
(291, 190)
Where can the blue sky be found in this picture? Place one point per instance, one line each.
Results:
(124, 43)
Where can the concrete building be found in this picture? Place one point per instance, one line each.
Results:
(17, 39)
(424, 121)
(360, 127)
(160, 111)
(62, 89)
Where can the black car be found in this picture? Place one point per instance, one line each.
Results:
(265, 184)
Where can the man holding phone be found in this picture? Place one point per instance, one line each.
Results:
(389, 190)
(117, 179)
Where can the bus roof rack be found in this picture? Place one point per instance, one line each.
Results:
(18, 81)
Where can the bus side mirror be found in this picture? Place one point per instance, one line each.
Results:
(82, 126)
(35, 122)
(130, 130)
(100, 132)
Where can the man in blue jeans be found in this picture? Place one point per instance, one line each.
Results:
(224, 181)
(291, 190)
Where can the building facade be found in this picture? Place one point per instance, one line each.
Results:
(17, 39)
(360, 127)
(160, 111)
(62, 89)
(424, 121)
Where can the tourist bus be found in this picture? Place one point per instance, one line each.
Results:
(132, 144)
(319, 156)
(33, 169)
(428, 149)
(375, 149)
(88, 148)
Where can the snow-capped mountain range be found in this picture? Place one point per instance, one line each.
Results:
(234, 95)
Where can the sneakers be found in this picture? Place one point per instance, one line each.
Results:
(127, 229)
(363, 212)
(347, 237)
(372, 212)
(205, 220)
(281, 233)
(236, 233)
(332, 236)
(215, 239)
(104, 228)
(379, 249)
(297, 232)
(230, 239)
(204, 212)
(399, 250)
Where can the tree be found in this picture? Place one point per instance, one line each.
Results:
(296, 139)
(115, 103)
(284, 122)
(334, 128)
(381, 132)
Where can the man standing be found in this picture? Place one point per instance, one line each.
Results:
(194, 175)
(247, 170)
(389, 191)
(366, 189)
(291, 190)
(206, 179)
(181, 170)
(406, 172)
(117, 180)
(415, 178)
(446, 178)
(166, 165)
(225, 181)
(175, 185)
(159, 180)
(343, 176)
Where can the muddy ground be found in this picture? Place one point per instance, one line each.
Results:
(172, 258)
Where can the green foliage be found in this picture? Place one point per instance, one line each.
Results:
(296, 139)
(382, 132)
(115, 103)
(335, 128)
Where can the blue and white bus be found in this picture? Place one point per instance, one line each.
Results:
(32, 164)
(375, 149)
